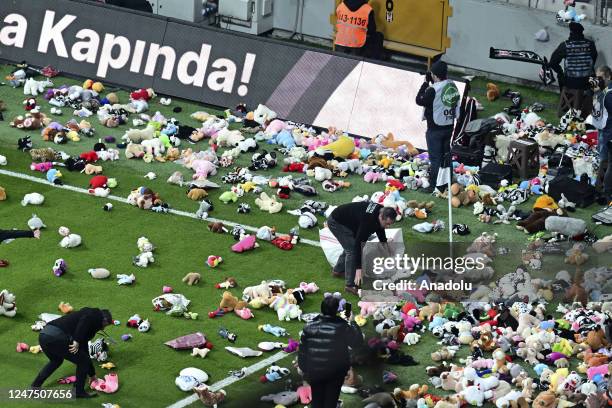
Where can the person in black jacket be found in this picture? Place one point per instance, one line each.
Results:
(13, 234)
(352, 224)
(579, 55)
(324, 356)
(66, 338)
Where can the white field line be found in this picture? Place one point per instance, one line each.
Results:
(124, 201)
(231, 379)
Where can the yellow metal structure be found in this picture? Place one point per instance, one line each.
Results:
(416, 27)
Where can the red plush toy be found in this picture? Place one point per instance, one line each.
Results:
(90, 156)
(142, 93)
(397, 184)
(283, 244)
(98, 182)
(294, 167)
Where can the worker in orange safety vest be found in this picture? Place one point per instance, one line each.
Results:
(356, 29)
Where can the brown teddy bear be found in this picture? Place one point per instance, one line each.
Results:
(460, 197)
(2, 194)
(390, 143)
(545, 399)
(575, 255)
(92, 169)
(173, 153)
(415, 392)
(217, 227)
(535, 222)
(230, 302)
(192, 278)
(196, 194)
(492, 92)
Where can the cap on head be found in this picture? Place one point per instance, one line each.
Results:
(439, 69)
(576, 28)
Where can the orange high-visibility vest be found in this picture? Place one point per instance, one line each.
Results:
(352, 26)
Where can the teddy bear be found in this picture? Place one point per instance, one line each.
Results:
(461, 197)
(414, 392)
(575, 255)
(196, 194)
(443, 354)
(192, 278)
(492, 92)
(268, 203)
(209, 398)
(8, 306)
(230, 302)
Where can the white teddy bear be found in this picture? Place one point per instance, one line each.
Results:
(7, 304)
(144, 259)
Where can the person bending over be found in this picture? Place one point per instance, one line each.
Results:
(66, 338)
(324, 352)
(352, 224)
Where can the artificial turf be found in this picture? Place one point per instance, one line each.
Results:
(146, 367)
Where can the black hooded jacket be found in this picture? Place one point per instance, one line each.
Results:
(354, 5)
(81, 326)
(324, 347)
(560, 53)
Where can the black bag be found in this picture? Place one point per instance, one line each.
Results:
(582, 194)
(492, 174)
(560, 164)
(467, 155)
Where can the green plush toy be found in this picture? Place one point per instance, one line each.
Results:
(228, 196)
(451, 311)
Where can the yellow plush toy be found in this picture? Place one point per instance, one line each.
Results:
(343, 147)
(545, 202)
(2, 194)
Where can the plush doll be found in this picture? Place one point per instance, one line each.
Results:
(209, 398)
(274, 373)
(492, 92)
(567, 226)
(192, 278)
(99, 273)
(196, 194)
(91, 169)
(268, 203)
(8, 306)
(247, 243)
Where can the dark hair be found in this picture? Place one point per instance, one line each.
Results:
(329, 306)
(388, 213)
(107, 317)
(606, 71)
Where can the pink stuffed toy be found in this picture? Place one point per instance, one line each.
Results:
(247, 243)
(410, 322)
(309, 287)
(372, 177)
(42, 167)
(245, 313)
(593, 371)
(304, 392)
(275, 127)
(108, 385)
(203, 169)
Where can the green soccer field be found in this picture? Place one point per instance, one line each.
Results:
(145, 366)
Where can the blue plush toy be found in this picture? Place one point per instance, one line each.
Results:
(284, 138)
(364, 153)
(170, 129)
(53, 176)
(274, 330)
(437, 321)
(539, 368)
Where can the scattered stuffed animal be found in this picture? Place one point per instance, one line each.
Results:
(69, 240)
(192, 278)
(247, 243)
(8, 306)
(33, 199)
(99, 273)
(209, 398)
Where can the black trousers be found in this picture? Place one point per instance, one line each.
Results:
(54, 344)
(607, 180)
(325, 393)
(8, 234)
